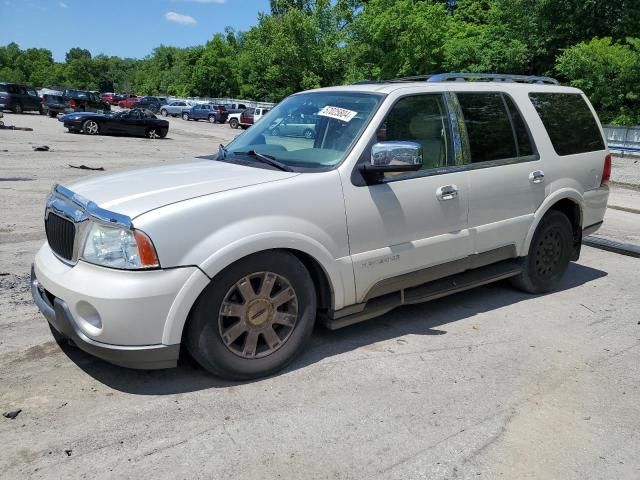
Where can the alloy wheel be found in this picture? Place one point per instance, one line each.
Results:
(258, 315)
(91, 127)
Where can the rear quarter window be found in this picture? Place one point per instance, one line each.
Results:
(569, 122)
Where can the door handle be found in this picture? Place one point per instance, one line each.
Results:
(536, 177)
(448, 192)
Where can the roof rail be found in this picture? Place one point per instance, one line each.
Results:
(490, 77)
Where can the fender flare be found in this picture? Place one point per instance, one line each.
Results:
(241, 248)
(549, 202)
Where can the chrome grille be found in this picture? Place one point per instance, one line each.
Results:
(60, 235)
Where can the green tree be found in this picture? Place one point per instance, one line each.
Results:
(609, 73)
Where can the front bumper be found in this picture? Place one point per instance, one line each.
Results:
(143, 357)
(121, 316)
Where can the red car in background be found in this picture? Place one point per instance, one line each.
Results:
(110, 98)
(128, 101)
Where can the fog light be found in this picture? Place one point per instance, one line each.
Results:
(88, 318)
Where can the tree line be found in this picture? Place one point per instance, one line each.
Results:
(302, 44)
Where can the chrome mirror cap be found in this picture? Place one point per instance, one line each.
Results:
(396, 153)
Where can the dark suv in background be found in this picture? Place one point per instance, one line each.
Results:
(18, 98)
(151, 103)
(84, 101)
(52, 105)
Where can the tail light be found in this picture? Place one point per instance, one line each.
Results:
(606, 171)
(72, 103)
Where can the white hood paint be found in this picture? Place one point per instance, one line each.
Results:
(135, 192)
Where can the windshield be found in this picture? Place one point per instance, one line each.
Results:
(309, 130)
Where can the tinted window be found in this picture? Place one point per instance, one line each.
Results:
(3, 88)
(421, 119)
(488, 126)
(569, 122)
(523, 139)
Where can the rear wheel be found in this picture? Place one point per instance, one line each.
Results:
(549, 254)
(254, 318)
(152, 132)
(212, 119)
(91, 127)
(164, 113)
(308, 133)
(185, 116)
(18, 108)
(233, 123)
(162, 132)
(53, 114)
(275, 132)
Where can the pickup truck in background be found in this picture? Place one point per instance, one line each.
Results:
(247, 118)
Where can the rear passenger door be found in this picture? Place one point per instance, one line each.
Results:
(507, 182)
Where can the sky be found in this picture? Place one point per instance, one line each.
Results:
(127, 28)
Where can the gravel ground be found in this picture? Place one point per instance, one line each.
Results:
(626, 170)
(489, 383)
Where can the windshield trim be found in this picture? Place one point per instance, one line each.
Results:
(299, 169)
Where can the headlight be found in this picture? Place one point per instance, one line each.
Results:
(119, 248)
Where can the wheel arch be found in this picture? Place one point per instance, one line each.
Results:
(571, 203)
(186, 299)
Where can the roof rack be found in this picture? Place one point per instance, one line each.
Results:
(491, 77)
(463, 77)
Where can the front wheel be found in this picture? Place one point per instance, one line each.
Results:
(549, 254)
(164, 113)
(163, 132)
(254, 318)
(309, 134)
(212, 119)
(91, 127)
(53, 114)
(185, 116)
(233, 123)
(18, 108)
(152, 133)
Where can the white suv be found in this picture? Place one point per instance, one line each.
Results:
(409, 190)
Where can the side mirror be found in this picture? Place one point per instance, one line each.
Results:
(395, 156)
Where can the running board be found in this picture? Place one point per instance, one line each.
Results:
(422, 293)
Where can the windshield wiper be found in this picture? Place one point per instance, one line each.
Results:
(222, 150)
(268, 159)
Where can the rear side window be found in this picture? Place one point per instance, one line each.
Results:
(569, 122)
(488, 126)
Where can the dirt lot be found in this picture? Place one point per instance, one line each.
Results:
(490, 383)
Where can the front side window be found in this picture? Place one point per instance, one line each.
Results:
(488, 126)
(422, 119)
(327, 125)
(569, 122)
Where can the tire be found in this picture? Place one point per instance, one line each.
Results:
(164, 113)
(162, 133)
(308, 134)
(211, 118)
(185, 116)
(275, 132)
(548, 256)
(18, 109)
(152, 132)
(238, 358)
(91, 127)
(233, 123)
(41, 110)
(53, 114)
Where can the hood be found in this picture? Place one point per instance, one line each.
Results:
(135, 192)
(83, 115)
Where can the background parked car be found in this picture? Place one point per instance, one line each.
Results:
(296, 125)
(136, 122)
(84, 101)
(249, 117)
(174, 108)
(18, 98)
(128, 101)
(235, 107)
(151, 103)
(110, 98)
(52, 105)
(206, 111)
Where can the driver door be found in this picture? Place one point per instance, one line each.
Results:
(413, 225)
